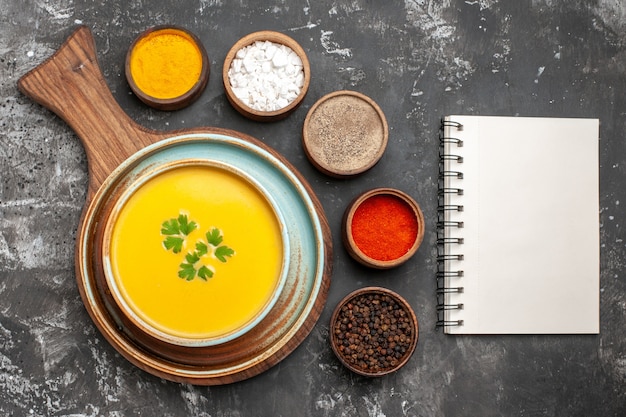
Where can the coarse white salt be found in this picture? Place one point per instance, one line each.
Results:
(266, 76)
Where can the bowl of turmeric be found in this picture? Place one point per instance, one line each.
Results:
(167, 67)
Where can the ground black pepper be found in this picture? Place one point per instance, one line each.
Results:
(372, 332)
(345, 133)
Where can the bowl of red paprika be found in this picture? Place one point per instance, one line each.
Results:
(382, 228)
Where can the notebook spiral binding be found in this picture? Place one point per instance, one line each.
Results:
(444, 275)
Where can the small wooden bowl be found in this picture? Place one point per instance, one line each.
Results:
(380, 344)
(387, 228)
(184, 99)
(344, 134)
(243, 108)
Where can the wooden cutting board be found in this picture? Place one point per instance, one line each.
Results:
(70, 83)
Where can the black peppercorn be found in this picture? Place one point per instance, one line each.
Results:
(375, 331)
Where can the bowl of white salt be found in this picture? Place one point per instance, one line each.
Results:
(266, 75)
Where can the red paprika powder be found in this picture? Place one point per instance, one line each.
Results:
(384, 227)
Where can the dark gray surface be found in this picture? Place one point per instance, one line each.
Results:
(419, 60)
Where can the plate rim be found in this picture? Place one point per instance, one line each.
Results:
(284, 345)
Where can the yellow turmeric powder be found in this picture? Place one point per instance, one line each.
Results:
(166, 63)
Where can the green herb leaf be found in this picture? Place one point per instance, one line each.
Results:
(201, 248)
(192, 258)
(222, 252)
(185, 225)
(173, 243)
(205, 273)
(187, 271)
(170, 227)
(214, 237)
(175, 231)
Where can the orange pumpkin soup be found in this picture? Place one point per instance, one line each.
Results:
(196, 252)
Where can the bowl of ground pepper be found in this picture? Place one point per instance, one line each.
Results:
(373, 331)
(382, 228)
(344, 134)
(167, 67)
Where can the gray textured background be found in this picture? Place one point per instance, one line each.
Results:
(419, 60)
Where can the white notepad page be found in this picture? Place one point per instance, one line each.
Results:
(530, 225)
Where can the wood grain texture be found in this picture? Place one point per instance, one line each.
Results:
(71, 84)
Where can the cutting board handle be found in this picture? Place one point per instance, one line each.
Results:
(70, 83)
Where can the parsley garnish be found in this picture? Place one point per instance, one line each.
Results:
(187, 271)
(222, 252)
(214, 237)
(174, 243)
(204, 272)
(175, 232)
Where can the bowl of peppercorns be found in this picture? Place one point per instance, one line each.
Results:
(373, 331)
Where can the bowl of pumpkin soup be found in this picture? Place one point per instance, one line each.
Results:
(195, 252)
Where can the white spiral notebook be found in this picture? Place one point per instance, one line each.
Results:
(518, 226)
